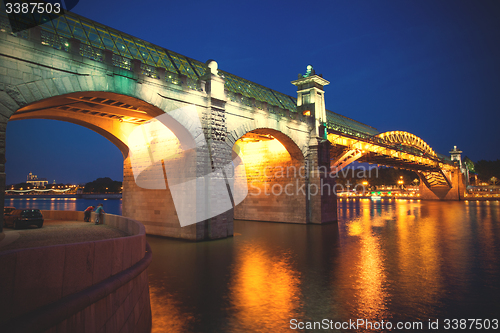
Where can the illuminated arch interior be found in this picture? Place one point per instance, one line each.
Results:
(109, 114)
(272, 161)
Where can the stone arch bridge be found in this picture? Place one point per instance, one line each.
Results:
(77, 70)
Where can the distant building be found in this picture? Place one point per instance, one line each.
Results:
(33, 179)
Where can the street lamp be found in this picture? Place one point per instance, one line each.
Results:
(401, 181)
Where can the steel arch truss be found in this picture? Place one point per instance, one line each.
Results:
(407, 139)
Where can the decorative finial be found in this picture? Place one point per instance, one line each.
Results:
(309, 72)
(212, 66)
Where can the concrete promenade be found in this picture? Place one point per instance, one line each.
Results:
(55, 232)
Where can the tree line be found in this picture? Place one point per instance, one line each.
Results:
(487, 171)
(103, 185)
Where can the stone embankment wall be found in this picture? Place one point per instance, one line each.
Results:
(96, 286)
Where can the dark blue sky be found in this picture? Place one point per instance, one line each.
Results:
(431, 68)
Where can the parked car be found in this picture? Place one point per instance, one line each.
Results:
(20, 218)
(8, 210)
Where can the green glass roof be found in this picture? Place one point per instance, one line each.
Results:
(95, 36)
(344, 124)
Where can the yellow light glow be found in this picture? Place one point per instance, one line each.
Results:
(263, 156)
(166, 312)
(265, 289)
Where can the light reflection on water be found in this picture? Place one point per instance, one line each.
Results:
(264, 290)
(394, 261)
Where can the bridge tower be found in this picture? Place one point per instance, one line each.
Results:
(456, 155)
(321, 198)
(311, 99)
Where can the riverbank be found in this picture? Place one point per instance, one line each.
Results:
(69, 196)
(468, 198)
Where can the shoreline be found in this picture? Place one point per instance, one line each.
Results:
(112, 196)
(68, 196)
(417, 198)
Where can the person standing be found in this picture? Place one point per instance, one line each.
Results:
(99, 212)
(87, 213)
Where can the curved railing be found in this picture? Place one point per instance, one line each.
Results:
(95, 283)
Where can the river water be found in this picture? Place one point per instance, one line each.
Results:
(111, 206)
(397, 261)
(404, 262)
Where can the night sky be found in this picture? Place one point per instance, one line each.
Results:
(427, 67)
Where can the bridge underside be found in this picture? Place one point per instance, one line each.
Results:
(376, 158)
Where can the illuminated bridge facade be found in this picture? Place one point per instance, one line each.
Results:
(76, 70)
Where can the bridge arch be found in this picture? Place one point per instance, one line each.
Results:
(406, 139)
(22, 95)
(102, 112)
(296, 147)
(276, 176)
(114, 115)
